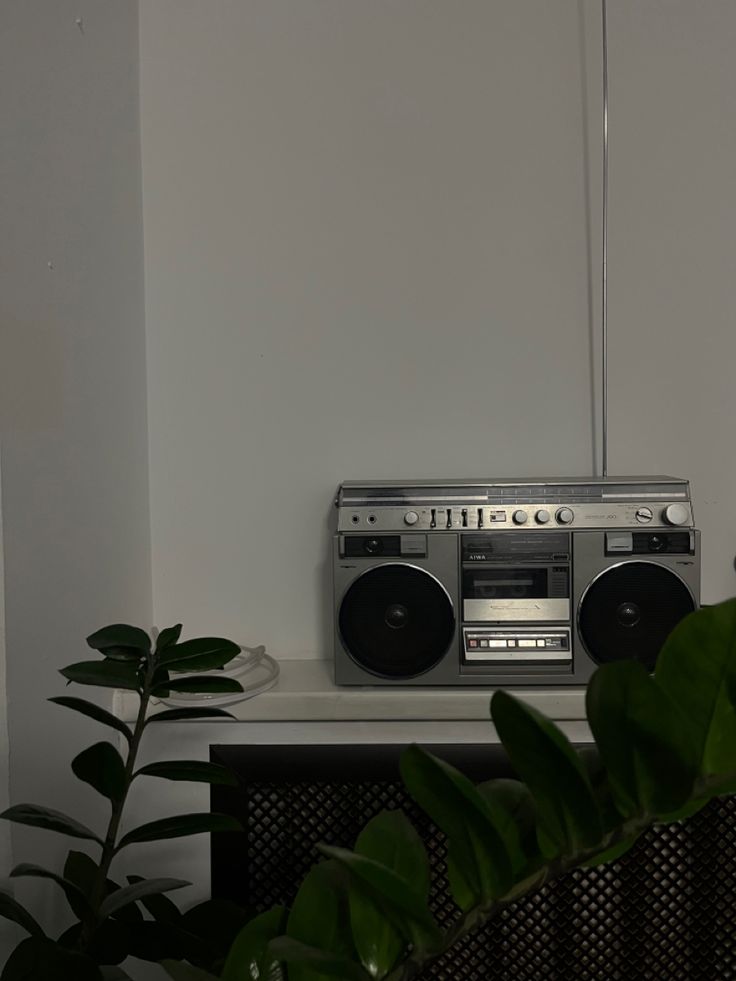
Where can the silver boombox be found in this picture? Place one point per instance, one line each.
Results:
(509, 582)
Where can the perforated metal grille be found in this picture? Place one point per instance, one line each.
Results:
(664, 912)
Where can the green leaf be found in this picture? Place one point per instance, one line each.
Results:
(199, 654)
(196, 771)
(249, 956)
(120, 636)
(93, 712)
(697, 669)
(167, 637)
(74, 894)
(44, 817)
(308, 963)
(179, 826)
(396, 897)
(319, 921)
(388, 838)
(138, 890)
(205, 684)
(159, 906)
(102, 767)
(470, 822)
(611, 854)
(41, 959)
(196, 712)
(11, 909)
(544, 759)
(105, 674)
(515, 818)
(643, 740)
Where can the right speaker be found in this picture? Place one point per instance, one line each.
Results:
(631, 589)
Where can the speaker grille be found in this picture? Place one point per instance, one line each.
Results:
(396, 621)
(629, 610)
(664, 912)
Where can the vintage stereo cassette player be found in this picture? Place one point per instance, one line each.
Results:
(509, 582)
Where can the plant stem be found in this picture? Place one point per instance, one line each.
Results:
(479, 915)
(99, 890)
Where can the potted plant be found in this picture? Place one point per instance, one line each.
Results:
(114, 920)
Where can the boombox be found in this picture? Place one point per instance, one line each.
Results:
(509, 582)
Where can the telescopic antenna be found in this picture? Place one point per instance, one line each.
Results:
(604, 269)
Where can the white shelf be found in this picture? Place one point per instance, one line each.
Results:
(305, 692)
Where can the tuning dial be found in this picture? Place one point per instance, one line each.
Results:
(676, 514)
(411, 518)
(565, 516)
(542, 516)
(520, 517)
(644, 515)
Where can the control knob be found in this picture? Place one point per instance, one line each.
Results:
(676, 514)
(520, 517)
(542, 516)
(411, 518)
(644, 515)
(565, 516)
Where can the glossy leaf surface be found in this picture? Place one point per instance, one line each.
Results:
(388, 838)
(199, 654)
(102, 767)
(453, 803)
(250, 956)
(396, 898)
(105, 674)
(11, 909)
(319, 922)
(643, 740)
(93, 711)
(159, 906)
(167, 637)
(543, 757)
(179, 826)
(197, 771)
(195, 712)
(45, 817)
(611, 854)
(204, 684)
(120, 635)
(312, 964)
(697, 669)
(515, 818)
(73, 893)
(138, 890)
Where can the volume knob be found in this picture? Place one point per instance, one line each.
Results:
(676, 514)
(520, 517)
(411, 518)
(565, 516)
(542, 516)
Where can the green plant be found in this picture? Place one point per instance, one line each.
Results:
(109, 921)
(664, 746)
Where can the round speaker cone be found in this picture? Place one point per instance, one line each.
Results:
(396, 621)
(628, 611)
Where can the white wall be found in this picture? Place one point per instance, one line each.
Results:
(366, 256)
(372, 250)
(672, 261)
(7, 932)
(72, 379)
